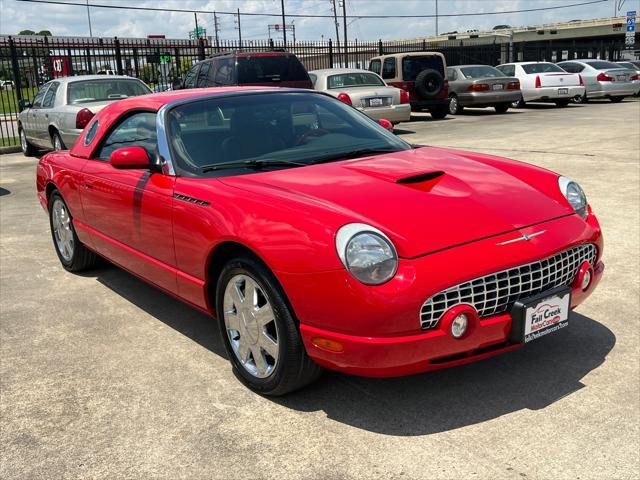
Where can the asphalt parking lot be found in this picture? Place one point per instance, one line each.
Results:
(102, 376)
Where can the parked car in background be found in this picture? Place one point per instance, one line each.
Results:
(365, 91)
(422, 74)
(634, 66)
(602, 79)
(63, 107)
(7, 85)
(481, 86)
(318, 239)
(275, 69)
(544, 82)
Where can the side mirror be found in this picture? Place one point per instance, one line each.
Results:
(177, 84)
(24, 104)
(386, 124)
(130, 158)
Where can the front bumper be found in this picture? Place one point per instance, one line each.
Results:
(550, 94)
(393, 113)
(379, 327)
(486, 99)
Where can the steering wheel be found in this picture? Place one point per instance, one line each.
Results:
(316, 132)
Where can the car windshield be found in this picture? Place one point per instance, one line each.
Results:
(240, 133)
(482, 71)
(542, 68)
(602, 65)
(270, 69)
(102, 90)
(354, 79)
(412, 66)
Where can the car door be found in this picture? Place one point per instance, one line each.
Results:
(202, 79)
(191, 77)
(47, 113)
(31, 121)
(129, 212)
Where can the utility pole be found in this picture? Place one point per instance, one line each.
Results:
(335, 20)
(195, 15)
(436, 17)
(239, 32)
(284, 25)
(216, 30)
(89, 18)
(344, 25)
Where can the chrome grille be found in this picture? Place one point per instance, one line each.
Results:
(497, 292)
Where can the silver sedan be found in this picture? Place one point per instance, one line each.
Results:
(64, 106)
(602, 79)
(481, 86)
(365, 91)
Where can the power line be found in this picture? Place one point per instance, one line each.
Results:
(301, 15)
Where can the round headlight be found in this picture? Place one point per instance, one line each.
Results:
(574, 195)
(366, 253)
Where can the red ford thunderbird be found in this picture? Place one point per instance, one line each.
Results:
(317, 238)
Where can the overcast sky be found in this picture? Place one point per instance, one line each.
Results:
(72, 20)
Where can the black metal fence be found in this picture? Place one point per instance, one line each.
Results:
(27, 62)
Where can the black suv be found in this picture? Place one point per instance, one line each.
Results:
(275, 68)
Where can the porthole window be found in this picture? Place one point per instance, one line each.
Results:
(91, 133)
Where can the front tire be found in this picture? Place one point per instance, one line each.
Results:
(28, 150)
(72, 253)
(259, 330)
(501, 108)
(454, 105)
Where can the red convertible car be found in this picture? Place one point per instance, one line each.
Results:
(319, 239)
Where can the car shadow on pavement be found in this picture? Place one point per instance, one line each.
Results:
(532, 377)
(487, 112)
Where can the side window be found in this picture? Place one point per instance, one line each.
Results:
(37, 101)
(508, 70)
(138, 130)
(223, 74)
(572, 67)
(374, 66)
(50, 97)
(389, 68)
(190, 78)
(452, 74)
(203, 75)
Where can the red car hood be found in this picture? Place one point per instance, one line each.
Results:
(425, 199)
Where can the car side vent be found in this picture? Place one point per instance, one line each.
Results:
(422, 177)
(191, 200)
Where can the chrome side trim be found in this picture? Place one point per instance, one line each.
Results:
(166, 162)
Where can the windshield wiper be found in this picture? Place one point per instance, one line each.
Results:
(254, 164)
(363, 152)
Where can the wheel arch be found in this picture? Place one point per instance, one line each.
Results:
(219, 256)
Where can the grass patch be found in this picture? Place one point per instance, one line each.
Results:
(9, 141)
(9, 100)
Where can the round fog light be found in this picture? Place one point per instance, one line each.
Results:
(586, 279)
(459, 325)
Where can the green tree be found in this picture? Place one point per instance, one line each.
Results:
(27, 32)
(44, 33)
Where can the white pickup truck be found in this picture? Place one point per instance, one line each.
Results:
(544, 82)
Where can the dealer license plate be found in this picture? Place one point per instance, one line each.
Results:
(622, 77)
(540, 315)
(563, 91)
(375, 102)
(497, 86)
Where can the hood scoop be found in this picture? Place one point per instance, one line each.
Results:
(422, 181)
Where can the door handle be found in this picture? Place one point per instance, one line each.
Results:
(88, 186)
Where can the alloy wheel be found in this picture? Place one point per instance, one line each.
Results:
(453, 105)
(57, 143)
(250, 325)
(62, 230)
(23, 141)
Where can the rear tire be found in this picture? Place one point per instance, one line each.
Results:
(518, 103)
(562, 103)
(581, 99)
(616, 99)
(438, 113)
(501, 108)
(72, 253)
(454, 105)
(28, 150)
(57, 142)
(287, 367)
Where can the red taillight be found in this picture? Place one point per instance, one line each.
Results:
(634, 77)
(83, 117)
(581, 80)
(604, 78)
(479, 87)
(404, 96)
(513, 86)
(343, 97)
(538, 82)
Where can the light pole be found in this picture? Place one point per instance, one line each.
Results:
(89, 18)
